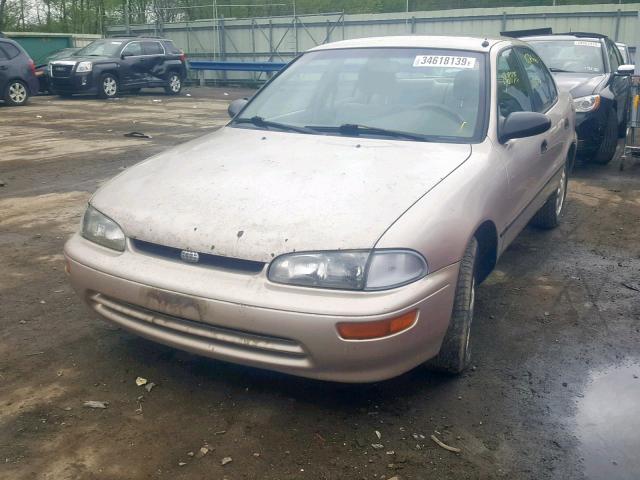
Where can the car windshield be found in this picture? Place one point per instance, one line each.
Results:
(404, 93)
(576, 56)
(99, 48)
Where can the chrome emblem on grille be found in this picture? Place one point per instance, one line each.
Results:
(189, 256)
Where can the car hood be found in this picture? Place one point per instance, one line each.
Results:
(578, 84)
(254, 194)
(76, 59)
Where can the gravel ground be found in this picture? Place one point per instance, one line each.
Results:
(554, 391)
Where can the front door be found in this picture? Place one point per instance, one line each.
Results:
(132, 67)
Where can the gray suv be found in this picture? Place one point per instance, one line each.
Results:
(17, 74)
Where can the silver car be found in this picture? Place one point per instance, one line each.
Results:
(338, 226)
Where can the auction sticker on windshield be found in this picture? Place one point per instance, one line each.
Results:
(586, 44)
(444, 61)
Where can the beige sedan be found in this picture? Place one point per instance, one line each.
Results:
(337, 227)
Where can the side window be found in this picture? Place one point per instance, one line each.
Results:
(10, 51)
(152, 48)
(513, 90)
(133, 48)
(543, 88)
(615, 59)
(3, 55)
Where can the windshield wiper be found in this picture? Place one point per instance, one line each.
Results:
(558, 70)
(356, 129)
(261, 122)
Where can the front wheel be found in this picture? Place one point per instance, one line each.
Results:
(607, 148)
(455, 354)
(16, 93)
(108, 86)
(174, 84)
(549, 214)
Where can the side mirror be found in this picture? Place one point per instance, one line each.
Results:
(523, 124)
(123, 55)
(626, 69)
(235, 106)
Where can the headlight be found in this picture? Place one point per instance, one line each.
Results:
(84, 67)
(589, 103)
(102, 230)
(349, 270)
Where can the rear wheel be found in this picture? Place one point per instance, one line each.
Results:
(607, 148)
(16, 93)
(174, 84)
(455, 354)
(108, 87)
(549, 215)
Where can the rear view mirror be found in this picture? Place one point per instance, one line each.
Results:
(626, 69)
(235, 106)
(523, 124)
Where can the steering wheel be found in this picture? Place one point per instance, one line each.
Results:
(442, 109)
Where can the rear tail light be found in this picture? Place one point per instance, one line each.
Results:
(183, 56)
(32, 66)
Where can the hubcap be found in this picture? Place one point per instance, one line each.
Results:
(561, 192)
(174, 83)
(110, 86)
(17, 92)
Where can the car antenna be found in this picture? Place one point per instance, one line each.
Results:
(485, 43)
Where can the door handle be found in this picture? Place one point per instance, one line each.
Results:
(543, 146)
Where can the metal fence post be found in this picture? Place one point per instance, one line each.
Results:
(270, 40)
(222, 42)
(618, 15)
(504, 22)
(413, 24)
(327, 38)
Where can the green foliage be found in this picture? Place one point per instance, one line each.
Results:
(92, 16)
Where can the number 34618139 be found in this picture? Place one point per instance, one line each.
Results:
(448, 61)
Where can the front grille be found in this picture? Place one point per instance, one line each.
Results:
(206, 259)
(61, 71)
(187, 333)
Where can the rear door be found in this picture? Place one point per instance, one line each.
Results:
(154, 61)
(4, 69)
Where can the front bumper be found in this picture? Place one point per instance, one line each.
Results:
(76, 83)
(590, 128)
(243, 318)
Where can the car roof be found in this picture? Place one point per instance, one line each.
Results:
(476, 44)
(136, 38)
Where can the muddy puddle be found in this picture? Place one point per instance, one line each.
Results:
(608, 424)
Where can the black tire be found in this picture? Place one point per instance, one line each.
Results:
(109, 87)
(16, 93)
(622, 127)
(550, 213)
(455, 354)
(607, 148)
(174, 84)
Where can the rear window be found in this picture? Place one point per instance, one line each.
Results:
(10, 51)
(171, 48)
(152, 48)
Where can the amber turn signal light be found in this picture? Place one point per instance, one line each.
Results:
(377, 328)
